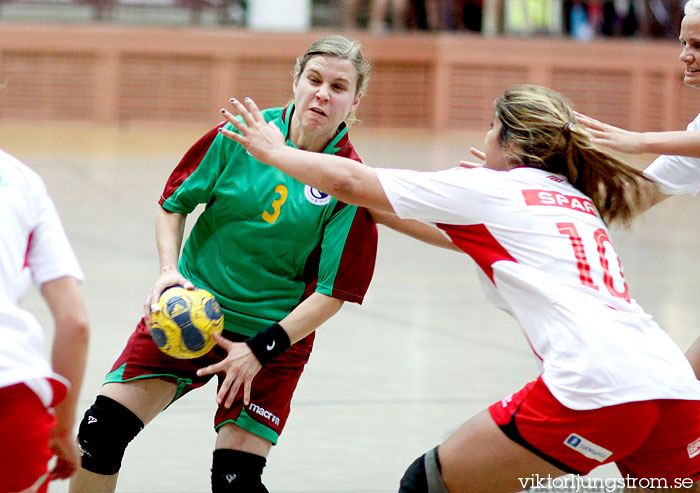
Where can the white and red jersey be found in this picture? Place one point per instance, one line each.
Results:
(677, 174)
(546, 258)
(33, 246)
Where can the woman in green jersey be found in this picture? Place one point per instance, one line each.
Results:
(281, 259)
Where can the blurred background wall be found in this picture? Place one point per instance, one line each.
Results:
(437, 64)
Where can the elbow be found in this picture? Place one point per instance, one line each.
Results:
(344, 188)
(78, 325)
(342, 191)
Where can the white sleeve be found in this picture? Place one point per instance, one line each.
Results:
(677, 174)
(50, 254)
(445, 196)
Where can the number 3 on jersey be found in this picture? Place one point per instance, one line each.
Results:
(276, 205)
(584, 268)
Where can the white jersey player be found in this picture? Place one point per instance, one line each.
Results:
(677, 170)
(614, 387)
(675, 174)
(34, 247)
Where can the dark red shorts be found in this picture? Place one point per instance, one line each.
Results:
(646, 439)
(271, 392)
(25, 428)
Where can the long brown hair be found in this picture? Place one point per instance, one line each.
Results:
(539, 130)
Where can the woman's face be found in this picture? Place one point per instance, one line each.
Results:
(324, 94)
(690, 55)
(496, 157)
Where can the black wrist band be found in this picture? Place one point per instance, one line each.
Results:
(269, 343)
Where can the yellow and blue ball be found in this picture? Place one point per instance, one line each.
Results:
(186, 322)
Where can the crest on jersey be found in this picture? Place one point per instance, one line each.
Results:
(316, 196)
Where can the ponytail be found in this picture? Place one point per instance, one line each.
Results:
(539, 131)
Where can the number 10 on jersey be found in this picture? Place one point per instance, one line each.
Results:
(584, 267)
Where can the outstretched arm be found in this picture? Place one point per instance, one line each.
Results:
(673, 143)
(415, 229)
(344, 179)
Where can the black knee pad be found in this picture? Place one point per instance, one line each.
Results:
(235, 471)
(423, 475)
(105, 431)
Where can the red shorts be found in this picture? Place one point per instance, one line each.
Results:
(26, 424)
(646, 439)
(271, 392)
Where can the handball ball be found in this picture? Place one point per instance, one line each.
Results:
(186, 322)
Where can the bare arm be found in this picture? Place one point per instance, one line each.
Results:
(310, 315)
(344, 179)
(674, 143)
(170, 227)
(241, 365)
(680, 143)
(415, 229)
(68, 357)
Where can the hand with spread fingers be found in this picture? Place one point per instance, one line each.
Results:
(259, 137)
(240, 367)
(481, 155)
(606, 135)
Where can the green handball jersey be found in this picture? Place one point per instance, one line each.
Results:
(266, 241)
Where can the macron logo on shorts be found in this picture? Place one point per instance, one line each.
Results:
(587, 448)
(694, 448)
(264, 413)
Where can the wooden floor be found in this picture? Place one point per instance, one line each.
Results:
(388, 380)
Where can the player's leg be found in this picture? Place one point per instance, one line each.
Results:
(239, 459)
(378, 11)
(530, 437)
(118, 414)
(399, 13)
(130, 398)
(349, 8)
(693, 355)
(478, 457)
(246, 433)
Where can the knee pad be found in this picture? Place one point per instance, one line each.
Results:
(423, 475)
(235, 471)
(105, 431)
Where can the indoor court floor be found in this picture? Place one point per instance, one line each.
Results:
(387, 380)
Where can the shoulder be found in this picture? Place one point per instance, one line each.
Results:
(341, 146)
(348, 150)
(13, 171)
(527, 176)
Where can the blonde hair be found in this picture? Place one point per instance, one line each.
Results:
(539, 130)
(691, 7)
(339, 47)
